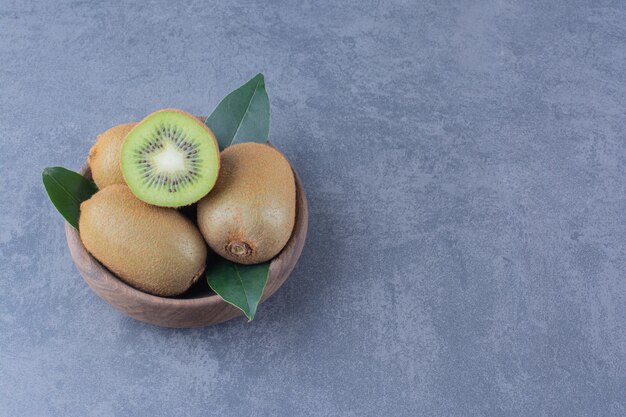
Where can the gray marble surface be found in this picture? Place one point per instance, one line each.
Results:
(466, 169)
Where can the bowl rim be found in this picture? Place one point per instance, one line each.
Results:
(112, 281)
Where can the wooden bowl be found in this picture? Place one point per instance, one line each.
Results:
(199, 306)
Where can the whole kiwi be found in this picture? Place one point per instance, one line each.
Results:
(104, 156)
(249, 215)
(154, 249)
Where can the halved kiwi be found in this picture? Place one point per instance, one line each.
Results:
(170, 159)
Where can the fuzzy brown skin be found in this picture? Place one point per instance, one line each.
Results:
(249, 215)
(154, 249)
(104, 156)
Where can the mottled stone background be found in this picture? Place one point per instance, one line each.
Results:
(466, 168)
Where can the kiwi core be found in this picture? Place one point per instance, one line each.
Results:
(170, 160)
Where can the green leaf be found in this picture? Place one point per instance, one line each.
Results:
(243, 115)
(67, 189)
(239, 285)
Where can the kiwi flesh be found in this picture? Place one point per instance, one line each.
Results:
(249, 215)
(154, 249)
(170, 159)
(104, 156)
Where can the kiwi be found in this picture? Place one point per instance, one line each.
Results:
(170, 159)
(154, 249)
(249, 215)
(104, 156)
